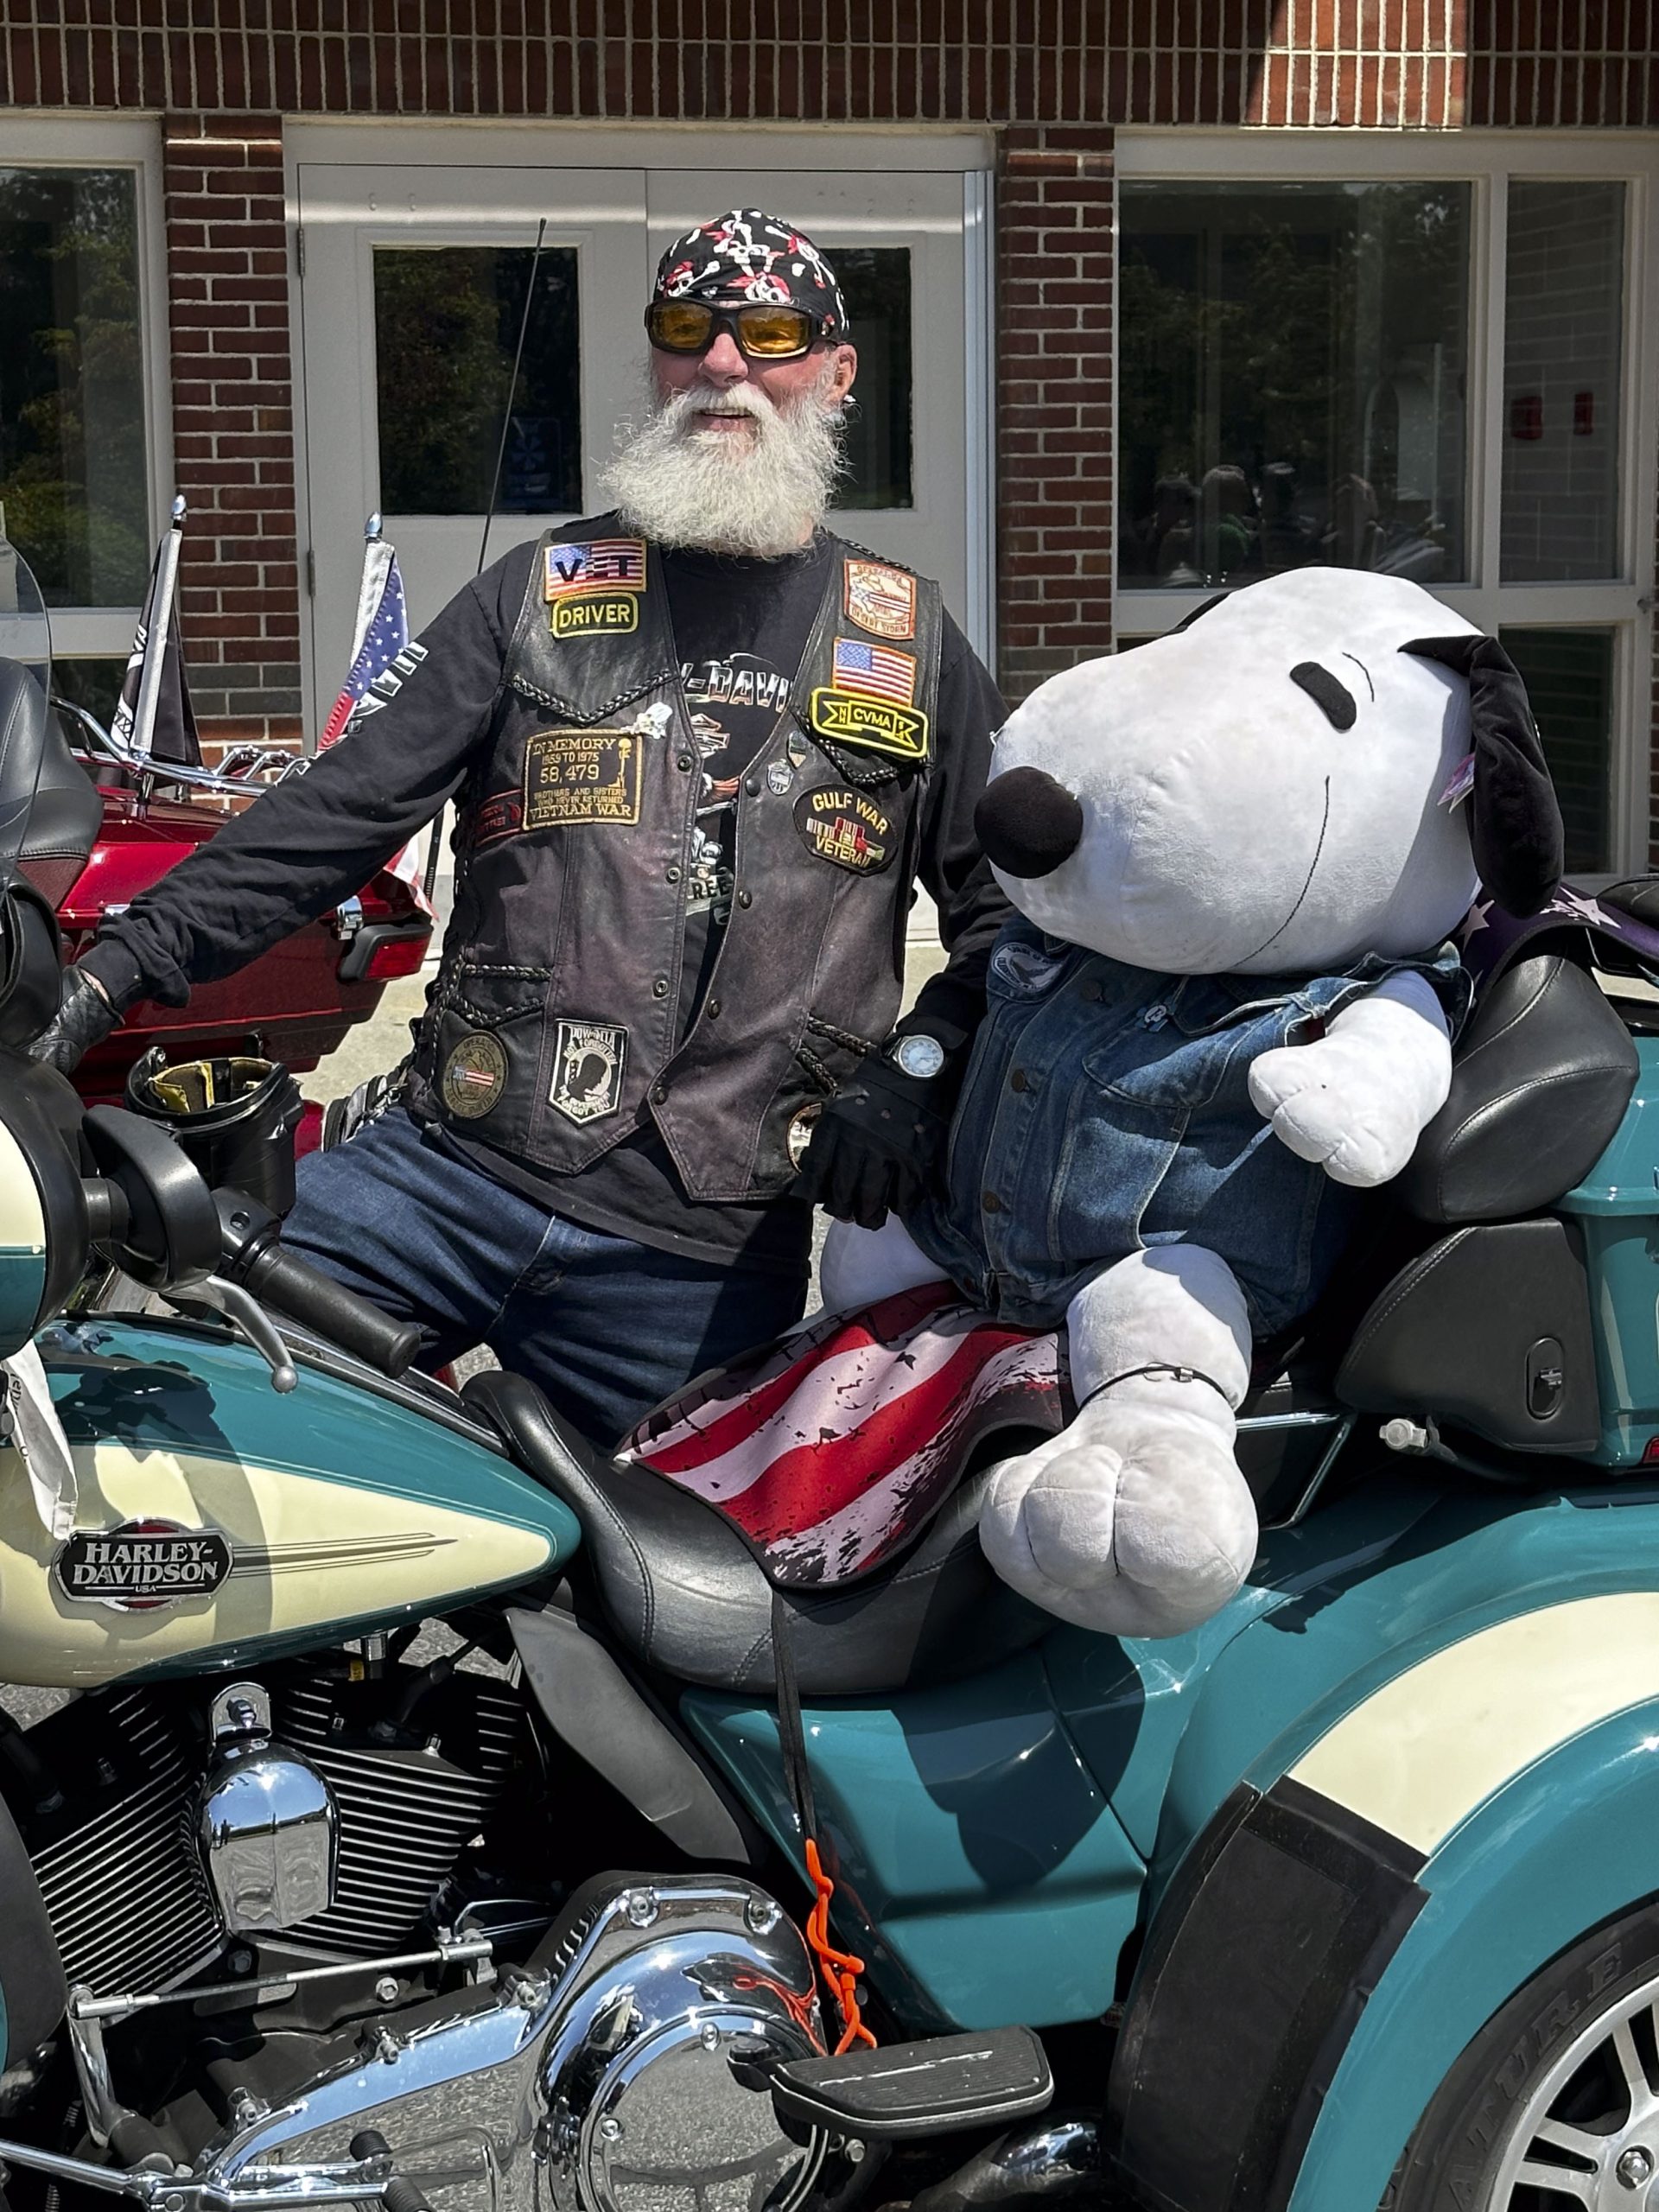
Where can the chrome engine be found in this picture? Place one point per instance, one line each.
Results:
(123, 1791)
(624, 2070)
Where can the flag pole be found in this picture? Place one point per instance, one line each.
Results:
(150, 682)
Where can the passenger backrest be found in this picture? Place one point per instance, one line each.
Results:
(1541, 1080)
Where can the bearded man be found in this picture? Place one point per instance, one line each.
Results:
(701, 751)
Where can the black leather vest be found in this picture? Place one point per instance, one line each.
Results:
(550, 1030)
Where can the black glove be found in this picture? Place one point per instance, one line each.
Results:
(85, 1018)
(877, 1142)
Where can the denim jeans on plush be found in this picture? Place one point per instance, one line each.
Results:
(607, 1328)
(1107, 1108)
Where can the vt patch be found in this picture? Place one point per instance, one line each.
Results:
(870, 725)
(581, 775)
(880, 599)
(607, 564)
(845, 827)
(474, 1075)
(588, 1058)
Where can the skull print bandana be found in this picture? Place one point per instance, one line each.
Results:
(747, 257)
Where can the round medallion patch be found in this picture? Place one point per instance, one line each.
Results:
(474, 1075)
(800, 1133)
(846, 828)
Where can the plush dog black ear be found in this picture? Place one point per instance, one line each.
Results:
(1515, 823)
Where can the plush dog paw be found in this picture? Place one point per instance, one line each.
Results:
(1331, 1102)
(1134, 1522)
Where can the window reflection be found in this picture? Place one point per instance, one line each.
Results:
(1569, 679)
(445, 328)
(1291, 380)
(1562, 340)
(73, 477)
(875, 284)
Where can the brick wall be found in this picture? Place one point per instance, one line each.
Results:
(233, 420)
(1054, 76)
(1054, 400)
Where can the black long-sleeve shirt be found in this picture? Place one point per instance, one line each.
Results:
(739, 626)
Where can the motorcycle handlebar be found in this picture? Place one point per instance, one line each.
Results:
(253, 1257)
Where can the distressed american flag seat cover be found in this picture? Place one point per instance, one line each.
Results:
(831, 1449)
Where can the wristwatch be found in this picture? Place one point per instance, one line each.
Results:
(918, 1054)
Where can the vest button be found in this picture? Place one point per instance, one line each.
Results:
(1090, 991)
(673, 875)
(684, 764)
(712, 1009)
(660, 1093)
(746, 899)
(660, 989)
(991, 1203)
(753, 786)
(1018, 1081)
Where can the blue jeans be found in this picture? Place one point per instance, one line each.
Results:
(607, 1328)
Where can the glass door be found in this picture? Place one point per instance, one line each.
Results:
(412, 296)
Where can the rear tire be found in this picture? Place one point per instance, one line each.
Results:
(1555, 2101)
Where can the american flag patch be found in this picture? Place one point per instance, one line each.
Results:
(606, 564)
(875, 671)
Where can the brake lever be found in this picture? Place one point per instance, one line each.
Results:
(245, 1314)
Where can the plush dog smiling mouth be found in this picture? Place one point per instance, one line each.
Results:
(1307, 885)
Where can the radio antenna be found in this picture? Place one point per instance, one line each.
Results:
(512, 393)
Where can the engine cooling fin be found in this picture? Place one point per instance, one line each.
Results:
(405, 1816)
(125, 1889)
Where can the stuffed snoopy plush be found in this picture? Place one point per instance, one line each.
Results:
(1222, 1008)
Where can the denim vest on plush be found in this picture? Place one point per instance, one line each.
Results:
(550, 1030)
(1107, 1110)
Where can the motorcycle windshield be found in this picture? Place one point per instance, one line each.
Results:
(25, 632)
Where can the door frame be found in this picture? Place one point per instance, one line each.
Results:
(784, 149)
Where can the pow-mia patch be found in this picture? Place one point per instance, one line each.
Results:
(870, 725)
(582, 775)
(1026, 970)
(879, 599)
(845, 827)
(474, 1075)
(596, 614)
(588, 1058)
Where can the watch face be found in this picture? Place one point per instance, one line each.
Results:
(920, 1056)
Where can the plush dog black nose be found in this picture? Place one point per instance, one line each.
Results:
(1027, 823)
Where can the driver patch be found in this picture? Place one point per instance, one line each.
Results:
(846, 828)
(588, 1058)
(474, 1075)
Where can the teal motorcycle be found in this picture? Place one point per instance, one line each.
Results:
(649, 1881)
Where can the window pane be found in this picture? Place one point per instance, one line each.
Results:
(1569, 679)
(72, 388)
(445, 328)
(1291, 380)
(92, 681)
(875, 283)
(1562, 325)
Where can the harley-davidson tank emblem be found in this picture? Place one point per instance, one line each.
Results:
(142, 1565)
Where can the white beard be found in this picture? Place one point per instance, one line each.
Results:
(760, 495)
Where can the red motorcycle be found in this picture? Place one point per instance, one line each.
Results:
(105, 827)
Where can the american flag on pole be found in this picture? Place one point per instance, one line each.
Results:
(876, 671)
(380, 650)
(834, 1447)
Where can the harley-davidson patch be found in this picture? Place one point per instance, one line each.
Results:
(474, 1075)
(588, 1058)
(871, 725)
(879, 599)
(845, 827)
(142, 1565)
(604, 564)
(605, 614)
(582, 775)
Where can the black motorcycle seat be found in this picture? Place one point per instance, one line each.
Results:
(1540, 1081)
(50, 811)
(688, 1597)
